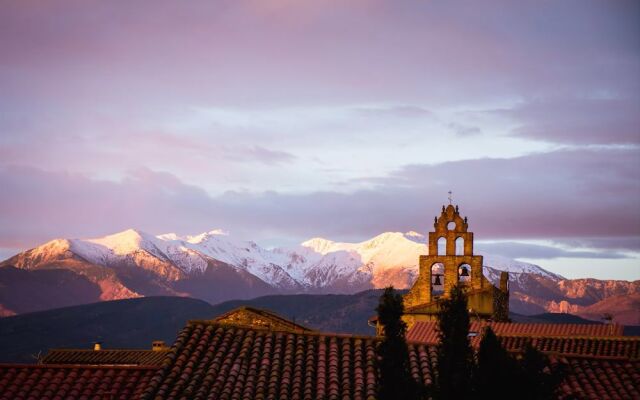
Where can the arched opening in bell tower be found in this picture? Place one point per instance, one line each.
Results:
(442, 246)
(437, 279)
(459, 246)
(464, 273)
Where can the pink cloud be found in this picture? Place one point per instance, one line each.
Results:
(565, 194)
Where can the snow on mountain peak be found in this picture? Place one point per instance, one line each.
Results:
(319, 245)
(391, 257)
(124, 242)
(415, 236)
(203, 237)
(55, 246)
(169, 236)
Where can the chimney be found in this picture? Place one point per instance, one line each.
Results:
(504, 281)
(158, 345)
(97, 346)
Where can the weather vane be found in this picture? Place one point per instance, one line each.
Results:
(450, 197)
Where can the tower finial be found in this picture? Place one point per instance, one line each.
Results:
(450, 197)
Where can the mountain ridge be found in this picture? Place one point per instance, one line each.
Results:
(215, 266)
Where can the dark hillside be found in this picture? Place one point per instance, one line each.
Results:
(28, 291)
(131, 323)
(134, 323)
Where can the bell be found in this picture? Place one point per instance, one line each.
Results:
(437, 281)
(465, 271)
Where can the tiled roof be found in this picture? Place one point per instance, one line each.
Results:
(514, 338)
(105, 357)
(423, 332)
(597, 379)
(210, 360)
(46, 382)
(622, 347)
(531, 329)
(220, 361)
(426, 332)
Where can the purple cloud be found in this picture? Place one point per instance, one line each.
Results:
(536, 251)
(564, 194)
(345, 109)
(579, 121)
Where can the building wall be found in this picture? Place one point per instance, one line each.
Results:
(485, 300)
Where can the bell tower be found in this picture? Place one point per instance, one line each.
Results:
(450, 260)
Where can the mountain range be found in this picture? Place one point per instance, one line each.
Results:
(216, 267)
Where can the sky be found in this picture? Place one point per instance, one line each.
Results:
(280, 120)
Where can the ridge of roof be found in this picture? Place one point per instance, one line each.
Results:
(79, 366)
(104, 357)
(265, 312)
(276, 330)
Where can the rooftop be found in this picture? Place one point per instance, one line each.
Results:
(427, 332)
(105, 357)
(213, 360)
(72, 382)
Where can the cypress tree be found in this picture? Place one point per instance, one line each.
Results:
(395, 380)
(539, 379)
(455, 357)
(497, 373)
(501, 376)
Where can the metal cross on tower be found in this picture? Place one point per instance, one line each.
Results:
(450, 197)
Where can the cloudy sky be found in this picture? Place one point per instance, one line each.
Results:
(281, 120)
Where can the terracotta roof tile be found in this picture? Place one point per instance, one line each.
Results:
(105, 357)
(242, 362)
(72, 382)
(220, 361)
(515, 336)
(596, 379)
(426, 332)
(623, 347)
(265, 364)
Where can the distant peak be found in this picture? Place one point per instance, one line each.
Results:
(169, 236)
(129, 234)
(415, 236)
(318, 244)
(57, 244)
(125, 241)
(206, 235)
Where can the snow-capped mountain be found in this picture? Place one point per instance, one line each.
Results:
(216, 266)
(389, 258)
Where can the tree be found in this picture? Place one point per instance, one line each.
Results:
(395, 380)
(455, 357)
(497, 373)
(539, 379)
(500, 375)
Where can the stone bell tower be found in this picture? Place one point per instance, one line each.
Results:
(451, 261)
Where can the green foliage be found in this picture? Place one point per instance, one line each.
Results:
(539, 379)
(395, 381)
(455, 356)
(500, 375)
(497, 372)
(493, 373)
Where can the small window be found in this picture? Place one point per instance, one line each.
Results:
(451, 226)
